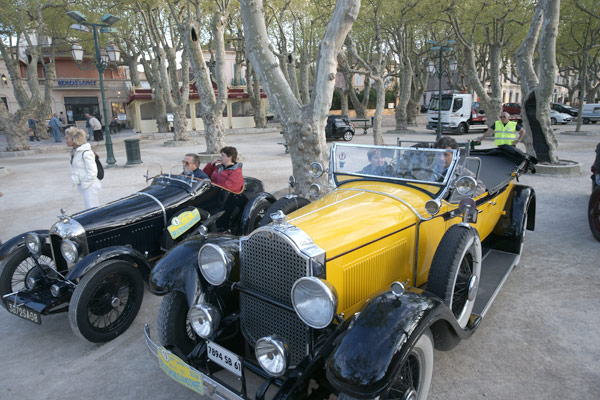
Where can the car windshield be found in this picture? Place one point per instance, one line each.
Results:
(411, 164)
(177, 178)
(446, 103)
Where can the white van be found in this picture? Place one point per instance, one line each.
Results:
(591, 113)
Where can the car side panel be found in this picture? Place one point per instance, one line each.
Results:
(371, 268)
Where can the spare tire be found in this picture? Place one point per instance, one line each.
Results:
(286, 205)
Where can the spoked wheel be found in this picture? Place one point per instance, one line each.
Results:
(455, 271)
(106, 301)
(413, 379)
(18, 266)
(594, 213)
(174, 329)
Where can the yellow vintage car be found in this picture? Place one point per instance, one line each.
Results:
(348, 294)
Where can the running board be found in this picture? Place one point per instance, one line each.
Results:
(496, 265)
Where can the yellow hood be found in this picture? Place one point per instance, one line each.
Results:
(357, 213)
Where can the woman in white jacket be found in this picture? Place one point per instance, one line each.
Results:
(84, 172)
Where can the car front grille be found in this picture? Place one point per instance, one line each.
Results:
(270, 264)
(61, 263)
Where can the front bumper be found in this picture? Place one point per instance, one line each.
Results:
(29, 303)
(179, 371)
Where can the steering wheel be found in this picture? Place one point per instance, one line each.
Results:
(425, 174)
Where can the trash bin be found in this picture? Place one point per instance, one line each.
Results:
(132, 148)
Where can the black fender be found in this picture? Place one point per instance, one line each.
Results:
(113, 252)
(509, 229)
(13, 244)
(250, 208)
(179, 270)
(368, 354)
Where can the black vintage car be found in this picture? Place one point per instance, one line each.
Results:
(339, 127)
(93, 263)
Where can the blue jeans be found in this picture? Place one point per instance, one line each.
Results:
(56, 133)
(90, 133)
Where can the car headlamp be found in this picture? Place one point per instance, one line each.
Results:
(432, 206)
(315, 301)
(314, 190)
(69, 250)
(215, 264)
(315, 170)
(33, 243)
(204, 319)
(466, 185)
(272, 354)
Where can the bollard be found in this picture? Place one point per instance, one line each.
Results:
(132, 148)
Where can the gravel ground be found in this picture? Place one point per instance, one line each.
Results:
(539, 340)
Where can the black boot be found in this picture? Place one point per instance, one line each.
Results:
(37, 138)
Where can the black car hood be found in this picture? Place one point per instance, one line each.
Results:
(145, 204)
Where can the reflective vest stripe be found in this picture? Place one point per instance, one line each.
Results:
(505, 134)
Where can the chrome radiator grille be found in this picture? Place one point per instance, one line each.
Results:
(270, 265)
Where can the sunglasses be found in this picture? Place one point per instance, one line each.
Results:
(185, 162)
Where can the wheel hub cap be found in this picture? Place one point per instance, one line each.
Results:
(473, 285)
(115, 302)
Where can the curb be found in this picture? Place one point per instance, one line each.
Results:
(567, 168)
(581, 133)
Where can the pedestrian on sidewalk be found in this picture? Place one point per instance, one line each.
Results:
(88, 127)
(32, 132)
(84, 173)
(96, 127)
(55, 126)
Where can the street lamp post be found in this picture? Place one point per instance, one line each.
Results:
(440, 73)
(104, 60)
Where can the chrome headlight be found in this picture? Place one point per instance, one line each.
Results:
(214, 263)
(315, 170)
(315, 301)
(204, 319)
(69, 250)
(33, 243)
(272, 354)
(314, 190)
(432, 206)
(466, 185)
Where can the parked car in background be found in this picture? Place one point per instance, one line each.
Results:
(92, 264)
(512, 108)
(559, 118)
(348, 295)
(339, 127)
(591, 113)
(563, 108)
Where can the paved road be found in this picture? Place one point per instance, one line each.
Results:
(538, 341)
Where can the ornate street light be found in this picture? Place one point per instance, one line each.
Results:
(440, 73)
(104, 60)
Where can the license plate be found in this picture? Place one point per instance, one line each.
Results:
(226, 359)
(23, 312)
(179, 371)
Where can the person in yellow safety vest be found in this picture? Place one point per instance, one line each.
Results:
(505, 131)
